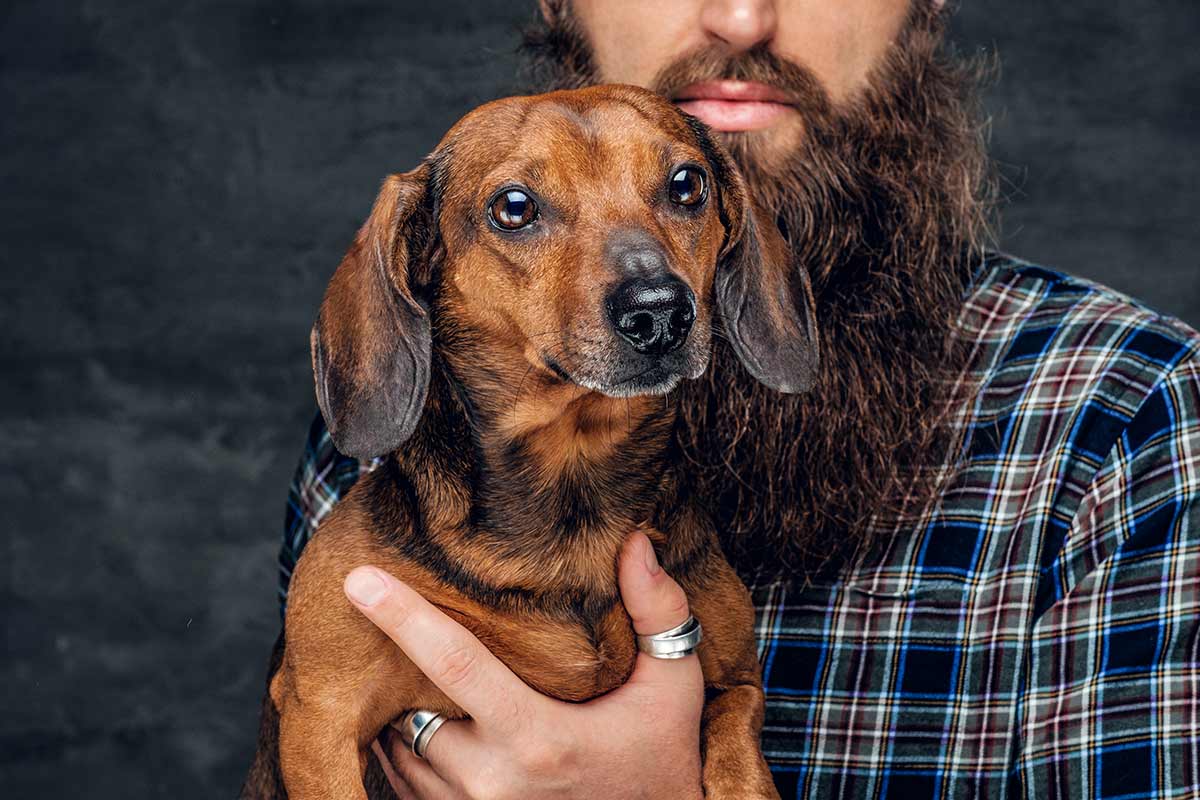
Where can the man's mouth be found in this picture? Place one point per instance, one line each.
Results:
(726, 105)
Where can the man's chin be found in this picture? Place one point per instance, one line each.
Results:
(769, 150)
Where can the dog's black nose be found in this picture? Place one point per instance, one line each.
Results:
(652, 314)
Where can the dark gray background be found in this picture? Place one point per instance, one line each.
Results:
(178, 181)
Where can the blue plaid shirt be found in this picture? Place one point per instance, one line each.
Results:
(1037, 633)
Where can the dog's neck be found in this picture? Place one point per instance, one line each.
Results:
(533, 481)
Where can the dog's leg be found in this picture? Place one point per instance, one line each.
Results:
(265, 781)
(733, 715)
(733, 763)
(328, 720)
(319, 752)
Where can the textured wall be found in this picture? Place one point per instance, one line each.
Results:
(177, 182)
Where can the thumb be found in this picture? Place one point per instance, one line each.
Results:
(655, 603)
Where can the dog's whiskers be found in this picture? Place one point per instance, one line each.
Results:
(517, 395)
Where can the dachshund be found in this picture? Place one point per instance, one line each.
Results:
(507, 328)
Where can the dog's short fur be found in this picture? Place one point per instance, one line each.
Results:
(526, 438)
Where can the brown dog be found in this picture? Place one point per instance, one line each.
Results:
(502, 326)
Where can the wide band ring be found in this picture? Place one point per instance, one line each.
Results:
(417, 727)
(678, 642)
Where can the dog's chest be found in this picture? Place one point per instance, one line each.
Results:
(568, 659)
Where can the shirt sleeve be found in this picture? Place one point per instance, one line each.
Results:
(1111, 700)
(322, 477)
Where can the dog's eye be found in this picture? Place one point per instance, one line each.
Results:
(687, 187)
(512, 209)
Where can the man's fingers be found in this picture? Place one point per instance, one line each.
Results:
(399, 785)
(419, 775)
(454, 756)
(442, 649)
(653, 600)
(655, 603)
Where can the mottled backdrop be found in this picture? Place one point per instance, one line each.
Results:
(177, 182)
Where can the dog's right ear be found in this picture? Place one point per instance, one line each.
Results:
(765, 300)
(371, 342)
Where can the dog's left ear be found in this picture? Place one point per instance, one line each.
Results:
(371, 344)
(765, 301)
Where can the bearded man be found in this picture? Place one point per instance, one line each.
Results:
(974, 547)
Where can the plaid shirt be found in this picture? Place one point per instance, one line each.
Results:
(1037, 633)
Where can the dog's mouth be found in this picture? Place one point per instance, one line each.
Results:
(596, 359)
(556, 368)
(656, 378)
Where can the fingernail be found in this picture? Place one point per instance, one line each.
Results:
(365, 586)
(651, 559)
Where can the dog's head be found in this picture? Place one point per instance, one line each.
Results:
(589, 236)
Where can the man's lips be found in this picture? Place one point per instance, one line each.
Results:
(734, 105)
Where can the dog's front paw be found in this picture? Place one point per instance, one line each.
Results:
(755, 784)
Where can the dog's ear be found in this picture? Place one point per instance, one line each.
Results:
(371, 342)
(765, 301)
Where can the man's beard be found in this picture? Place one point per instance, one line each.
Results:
(886, 202)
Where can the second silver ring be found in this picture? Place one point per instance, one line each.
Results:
(417, 727)
(677, 642)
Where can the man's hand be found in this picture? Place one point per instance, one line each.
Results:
(641, 740)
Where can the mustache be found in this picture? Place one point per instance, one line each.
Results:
(798, 84)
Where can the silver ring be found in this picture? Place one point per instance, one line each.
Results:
(417, 727)
(678, 642)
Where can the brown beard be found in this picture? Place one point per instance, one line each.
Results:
(886, 202)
